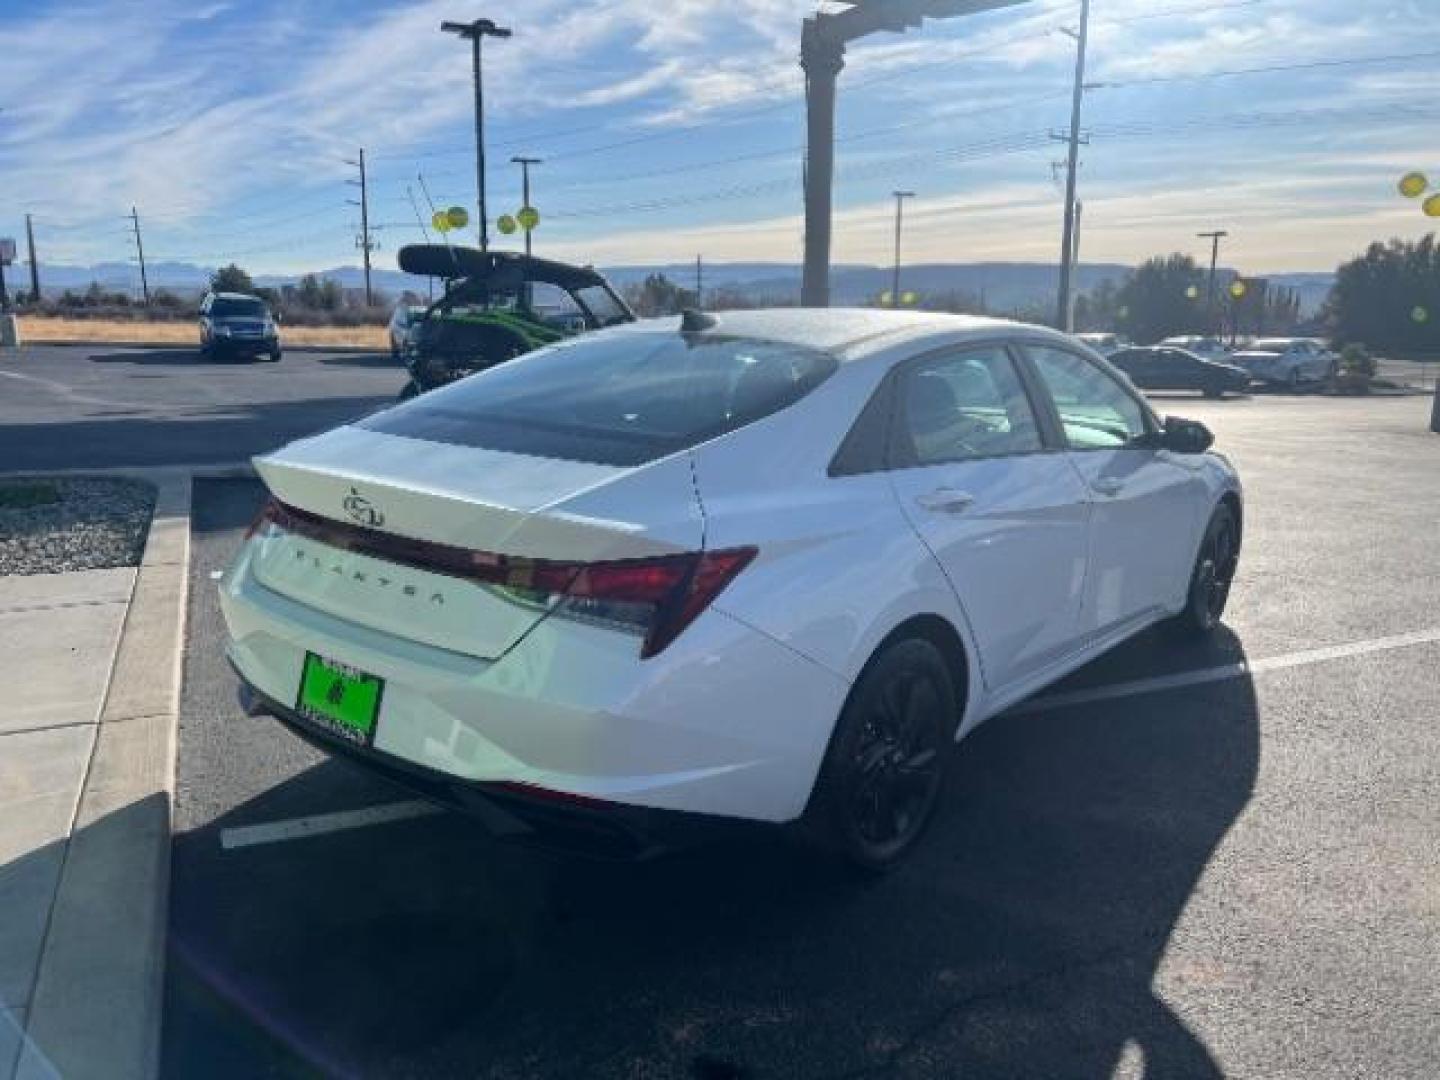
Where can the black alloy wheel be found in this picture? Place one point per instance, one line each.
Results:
(885, 767)
(1213, 573)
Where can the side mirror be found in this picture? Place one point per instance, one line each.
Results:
(1185, 436)
(275, 318)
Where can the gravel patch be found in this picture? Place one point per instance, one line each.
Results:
(51, 525)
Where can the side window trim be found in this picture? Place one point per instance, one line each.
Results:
(1147, 414)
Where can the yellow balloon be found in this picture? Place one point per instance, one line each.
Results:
(1432, 206)
(1238, 289)
(441, 221)
(909, 297)
(505, 223)
(1193, 292)
(886, 297)
(1420, 314)
(528, 217)
(1413, 185)
(458, 217)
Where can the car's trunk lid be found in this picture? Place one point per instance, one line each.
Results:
(393, 513)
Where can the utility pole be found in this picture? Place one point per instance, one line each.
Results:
(525, 163)
(140, 250)
(1214, 238)
(698, 282)
(1067, 246)
(900, 197)
(364, 242)
(34, 266)
(1075, 263)
(474, 32)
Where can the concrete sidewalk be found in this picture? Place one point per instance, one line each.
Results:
(87, 729)
(58, 633)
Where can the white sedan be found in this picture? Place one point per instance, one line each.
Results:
(1286, 361)
(768, 566)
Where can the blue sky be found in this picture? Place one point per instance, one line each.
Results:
(228, 124)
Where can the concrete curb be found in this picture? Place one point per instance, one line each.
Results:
(96, 1009)
(70, 343)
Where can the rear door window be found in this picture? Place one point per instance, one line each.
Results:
(964, 407)
(614, 400)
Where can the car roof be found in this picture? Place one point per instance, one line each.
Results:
(849, 333)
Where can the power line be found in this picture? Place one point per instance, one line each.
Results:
(1309, 65)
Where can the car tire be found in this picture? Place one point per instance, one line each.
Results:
(884, 769)
(275, 355)
(1213, 390)
(1292, 380)
(1211, 577)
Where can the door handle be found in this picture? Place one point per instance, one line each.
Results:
(1108, 486)
(946, 501)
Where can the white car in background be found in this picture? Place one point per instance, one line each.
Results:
(1207, 348)
(1287, 362)
(765, 567)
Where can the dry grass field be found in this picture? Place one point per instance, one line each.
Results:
(38, 330)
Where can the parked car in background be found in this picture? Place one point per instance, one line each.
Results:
(1160, 367)
(1203, 346)
(401, 324)
(1287, 361)
(237, 325)
(1104, 344)
(767, 566)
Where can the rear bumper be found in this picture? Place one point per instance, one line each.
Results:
(534, 816)
(726, 722)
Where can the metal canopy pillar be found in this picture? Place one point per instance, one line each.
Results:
(823, 38)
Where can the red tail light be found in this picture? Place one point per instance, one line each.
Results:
(660, 596)
(657, 598)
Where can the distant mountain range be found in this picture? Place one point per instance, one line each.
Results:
(1005, 287)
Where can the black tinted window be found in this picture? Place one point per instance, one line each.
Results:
(620, 400)
(225, 308)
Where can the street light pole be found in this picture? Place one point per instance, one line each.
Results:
(900, 197)
(525, 163)
(1214, 238)
(473, 32)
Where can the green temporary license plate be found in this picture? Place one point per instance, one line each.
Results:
(340, 699)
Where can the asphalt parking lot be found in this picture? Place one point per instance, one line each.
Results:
(64, 406)
(1167, 866)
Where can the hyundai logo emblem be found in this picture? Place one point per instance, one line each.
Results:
(362, 511)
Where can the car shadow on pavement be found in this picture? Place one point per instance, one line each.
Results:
(143, 355)
(1022, 939)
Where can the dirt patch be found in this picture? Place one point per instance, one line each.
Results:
(38, 330)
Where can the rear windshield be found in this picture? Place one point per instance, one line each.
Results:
(621, 400)
(226, 308)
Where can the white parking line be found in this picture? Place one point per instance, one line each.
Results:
(1228, 671)
(317, 825)
(275, 832)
